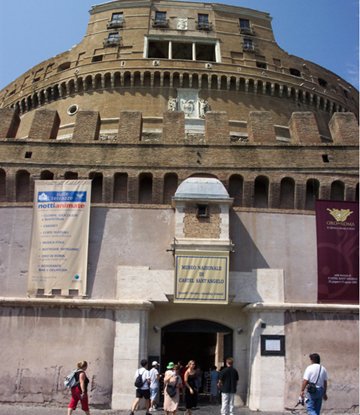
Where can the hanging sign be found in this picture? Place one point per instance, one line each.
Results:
(201, 277)
(59, 237)
(337, 229)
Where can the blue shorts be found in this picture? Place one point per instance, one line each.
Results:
(153, 393)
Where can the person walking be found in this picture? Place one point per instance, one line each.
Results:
(154, 385)
(315, 383)
(79, 391)
(228, 381)
(144, 390)
(191, 394)
(172, 380)
(214, 390)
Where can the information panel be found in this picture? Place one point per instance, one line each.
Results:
(337, 226)
(59, 237)
(201, 277)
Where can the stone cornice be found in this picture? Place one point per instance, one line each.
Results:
(75, 303)
(307, 307)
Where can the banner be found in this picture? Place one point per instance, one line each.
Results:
(59, 237)
(201, 277)
(337, 229)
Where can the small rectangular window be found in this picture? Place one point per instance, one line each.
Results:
(248, 44)
(117, 18)
(113, 37)
(160, 17)
(202, 211)
(203, 19)
(295, 72)
(325, 158)
(97, 58)
(245, 27)
(262, 65)
(28, 154)
(346, 93)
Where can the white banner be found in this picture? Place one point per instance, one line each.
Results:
(59, 237)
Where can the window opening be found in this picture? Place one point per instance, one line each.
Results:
(245, 27)
(205, 52)
(28, 154)
(64, 66)
(116, 20)
(97, 58)
(295, 72)
(248, 44)
(325, 158)
(203, 22)
(158, 50)
(346, 93)
(262, 65)
(323, 83)
(112, 40)
(182, 51)
(202, 211)
(160, 17)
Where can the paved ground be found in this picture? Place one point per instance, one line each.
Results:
(203, 409)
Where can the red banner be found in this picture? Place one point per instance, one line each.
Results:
(337, 229)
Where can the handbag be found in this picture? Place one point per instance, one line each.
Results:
(171, 390)
(311, 387)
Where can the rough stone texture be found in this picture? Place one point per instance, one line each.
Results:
(87, 126)
(9, 123)
(344, 128)
(45, 125)
(202, 227)
(130, 127)
(260, 127)
(217, 128)
(174, 127)
(303, 128)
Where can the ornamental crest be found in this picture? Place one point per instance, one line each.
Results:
(182, 23)
(188, 106)
(340, 215)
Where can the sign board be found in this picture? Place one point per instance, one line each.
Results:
(59, 237)
(201, 277)
(337, 230)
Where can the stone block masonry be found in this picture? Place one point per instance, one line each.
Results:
(174, 127)
(9, 123)
(87, 126)
(217, 127)
(130, 127)
(344, 128)
(303, 128)
(260, 127)
(45, 125)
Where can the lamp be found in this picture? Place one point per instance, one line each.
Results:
(239, 330)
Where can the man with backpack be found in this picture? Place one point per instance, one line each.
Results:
(142, 382)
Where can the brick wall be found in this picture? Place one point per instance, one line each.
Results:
(344, 128)
(87, 126)
(45, 125)
(9, 123)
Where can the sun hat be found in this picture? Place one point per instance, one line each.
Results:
(170, 365)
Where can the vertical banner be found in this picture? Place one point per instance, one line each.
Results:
(337, 229)
(59, 237)
(201, 277)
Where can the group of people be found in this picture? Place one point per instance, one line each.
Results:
(313, 388)
(175, 379)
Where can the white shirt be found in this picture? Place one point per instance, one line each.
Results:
(145, 375)
(154, 382)
(312, 372)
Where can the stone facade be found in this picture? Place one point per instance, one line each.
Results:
(141, 106)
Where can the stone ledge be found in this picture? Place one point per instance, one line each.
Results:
(75, 303)
(309, 307)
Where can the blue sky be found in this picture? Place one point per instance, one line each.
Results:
(322, 31)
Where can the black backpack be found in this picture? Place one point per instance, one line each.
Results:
(138, 381)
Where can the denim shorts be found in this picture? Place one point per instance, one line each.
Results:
(153, 393)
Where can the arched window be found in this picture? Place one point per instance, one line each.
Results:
(2, 185)
(337, 190)
(170, 186)
(312, 193)
(261, 196)
(46, 175)
(145, 188)
(287, 193)
(70, 175)
(236, 189)
(96, 187)
(22, 186)
(120, 187)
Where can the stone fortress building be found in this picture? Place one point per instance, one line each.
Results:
(200, 134)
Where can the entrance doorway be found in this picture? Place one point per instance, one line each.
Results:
(206, 342)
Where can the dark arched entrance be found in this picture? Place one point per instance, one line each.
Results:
(206, 342)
